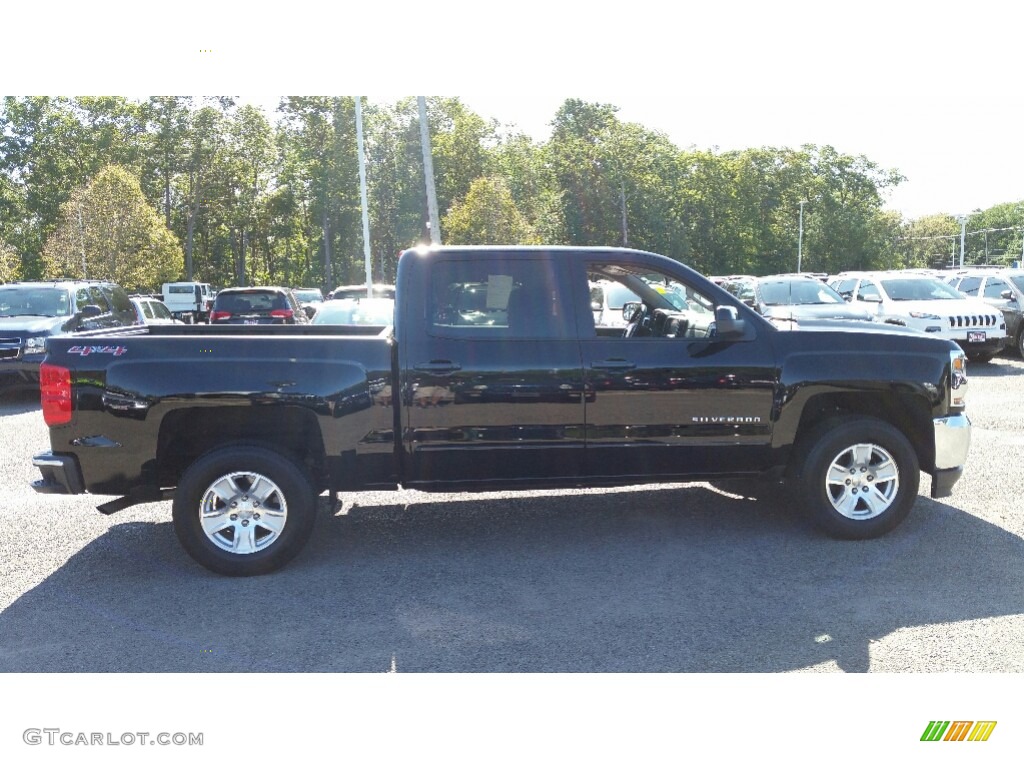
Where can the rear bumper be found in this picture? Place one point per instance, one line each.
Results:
(60, 474)
(22, 373)
(952, 442)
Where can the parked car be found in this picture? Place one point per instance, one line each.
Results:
(151, 311)
(355, 312)
(189, 301)
(259, 305)
(784, 298)
(31, 312)
(309, 299)
(1002, 289)
(378, 290)
(607, 299)
(926, 304)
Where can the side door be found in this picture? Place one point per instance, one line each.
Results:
(492, 383)
(868, 297)
(670, 399)
(122, 312)
(995, 292)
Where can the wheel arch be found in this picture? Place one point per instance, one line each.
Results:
(186, 434)
(909, 414)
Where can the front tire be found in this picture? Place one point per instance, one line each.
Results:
(244, 510)
(859, 477)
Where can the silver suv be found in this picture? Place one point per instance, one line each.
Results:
(1002, 288)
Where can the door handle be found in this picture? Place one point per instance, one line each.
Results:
(613, 365)
(437, 366)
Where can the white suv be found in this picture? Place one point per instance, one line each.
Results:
(926, 304)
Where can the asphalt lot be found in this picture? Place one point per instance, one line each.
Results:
(670, 578)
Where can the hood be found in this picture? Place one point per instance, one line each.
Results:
(942, 307)
(32, 324)
(865, 326)
(800, 312)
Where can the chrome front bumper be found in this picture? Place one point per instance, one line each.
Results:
(952, 442)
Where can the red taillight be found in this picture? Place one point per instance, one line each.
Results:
(285, 314)
(55, 394)
(219, 314)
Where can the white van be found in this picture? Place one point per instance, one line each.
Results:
(190, 302)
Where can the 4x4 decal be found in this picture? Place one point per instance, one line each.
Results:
(84, 351)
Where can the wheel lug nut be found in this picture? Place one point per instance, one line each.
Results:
(245, 522)
(255, 504)
(256, 516)
(234, 517)
(246, 498)
(234, 504)
(871, 478)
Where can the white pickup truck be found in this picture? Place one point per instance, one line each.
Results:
(190, 302)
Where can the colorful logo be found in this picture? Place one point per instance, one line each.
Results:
(959, 730)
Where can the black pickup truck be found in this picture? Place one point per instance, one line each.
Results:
(495, 375)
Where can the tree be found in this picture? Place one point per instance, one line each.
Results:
(487, 216)
(10, 264)
(108, 230)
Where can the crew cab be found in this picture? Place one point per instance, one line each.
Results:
(244, 426)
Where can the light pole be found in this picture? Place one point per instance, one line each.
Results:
(800, 238)
(963, 234)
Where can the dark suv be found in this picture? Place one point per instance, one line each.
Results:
(30, 312)
(1002, 288)
(260, 305)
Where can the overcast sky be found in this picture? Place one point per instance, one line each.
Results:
(931, 89)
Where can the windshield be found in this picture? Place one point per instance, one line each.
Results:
(33, 300)
(786, 292)
(618, 295)
(919, 289)
(355, 312)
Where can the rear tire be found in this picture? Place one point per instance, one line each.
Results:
(244, 510)
(858, 477)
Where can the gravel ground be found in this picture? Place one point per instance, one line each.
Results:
(668, 578)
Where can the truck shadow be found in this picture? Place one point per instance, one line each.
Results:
(1004, 364)
(17, 401)
(684, 579)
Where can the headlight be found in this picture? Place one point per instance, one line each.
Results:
(957, 379)
(35, 345)
(924, 316)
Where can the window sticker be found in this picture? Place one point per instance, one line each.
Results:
(499, 288)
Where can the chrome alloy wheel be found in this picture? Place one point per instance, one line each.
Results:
(862, 481)
(243, 512)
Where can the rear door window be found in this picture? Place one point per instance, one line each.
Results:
(994, 288)
(969, 286)
(498, 298)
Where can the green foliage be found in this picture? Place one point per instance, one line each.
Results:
(10, 264)
(488, 215)
(251, 201)
(108, 230)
